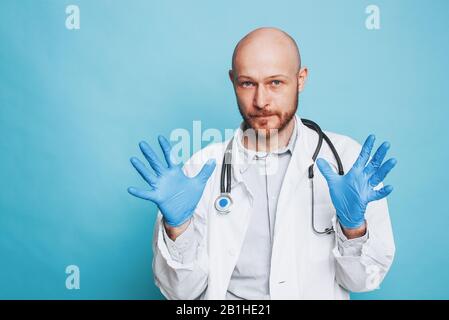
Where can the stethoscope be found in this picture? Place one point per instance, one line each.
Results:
(224, 202)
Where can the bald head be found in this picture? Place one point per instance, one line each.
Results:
(267, 78)
(269, 44)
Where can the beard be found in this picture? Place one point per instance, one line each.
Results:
(250, 119)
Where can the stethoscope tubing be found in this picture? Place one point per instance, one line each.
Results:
(226, 169)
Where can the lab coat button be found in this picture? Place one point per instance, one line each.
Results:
(231, 252)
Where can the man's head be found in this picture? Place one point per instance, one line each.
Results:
(267, 77)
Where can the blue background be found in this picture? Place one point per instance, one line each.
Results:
(75, 103)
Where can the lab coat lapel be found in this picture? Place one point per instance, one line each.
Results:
(297, 171)
(290, 230)
(228, 231)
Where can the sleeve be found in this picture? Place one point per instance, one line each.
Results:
(181, 267)
(183, 249)
(350, 247)
(362, 263)
(179, 274)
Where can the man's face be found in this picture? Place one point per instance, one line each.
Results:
(266, 85)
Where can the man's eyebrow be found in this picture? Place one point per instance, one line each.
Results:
(270, 77)
(243, 76)
(277, 76)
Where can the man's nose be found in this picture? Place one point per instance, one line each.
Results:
(261, 98)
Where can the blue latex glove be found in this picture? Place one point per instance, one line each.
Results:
(352, 192)
(172, 191)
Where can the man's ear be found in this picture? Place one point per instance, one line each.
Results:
(231, 76)
(302, 76)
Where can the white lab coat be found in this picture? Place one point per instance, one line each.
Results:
(304, 265)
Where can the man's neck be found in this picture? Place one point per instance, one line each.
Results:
(272, 142)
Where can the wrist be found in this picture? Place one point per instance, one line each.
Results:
(175, 231)
(354, 232)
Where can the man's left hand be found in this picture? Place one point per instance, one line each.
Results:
(352, 192)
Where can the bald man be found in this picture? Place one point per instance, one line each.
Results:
(252, 232)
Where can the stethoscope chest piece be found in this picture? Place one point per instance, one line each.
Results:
(223, 203)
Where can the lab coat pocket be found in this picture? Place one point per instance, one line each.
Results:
(320, 260)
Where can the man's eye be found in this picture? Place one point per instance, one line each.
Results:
(276, 82)
(246, 84)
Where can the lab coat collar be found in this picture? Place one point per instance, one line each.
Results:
(304, 148)
(250, 155)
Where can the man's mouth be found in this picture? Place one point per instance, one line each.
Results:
(258, 116)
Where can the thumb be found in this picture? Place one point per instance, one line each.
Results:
(206, 171)
(325, 168)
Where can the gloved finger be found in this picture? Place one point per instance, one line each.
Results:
(143, 171)
(325, 168)
(382, 172)
(381, 193)
(206, 171)
(378, 158)
(166, 149)
(152, 158)
(365, 152)
(143, 194)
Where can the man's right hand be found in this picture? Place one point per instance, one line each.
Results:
(172, 191)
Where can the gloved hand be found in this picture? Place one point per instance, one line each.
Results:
(172, 191)
(352, 192)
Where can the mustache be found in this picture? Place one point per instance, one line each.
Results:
(262, 114)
